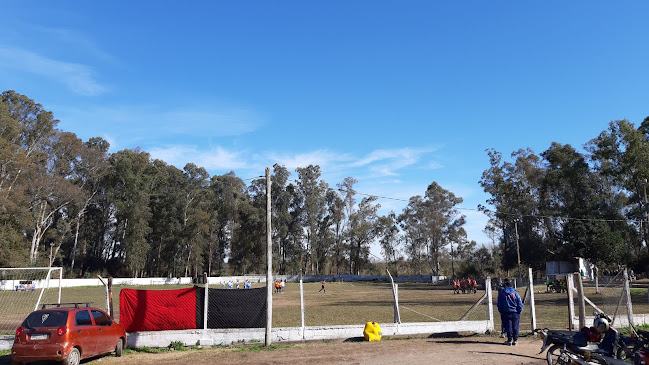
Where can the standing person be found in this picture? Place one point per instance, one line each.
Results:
(283, 283)
(323, 287)
(510, 307)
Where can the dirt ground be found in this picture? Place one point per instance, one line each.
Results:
(452, 351)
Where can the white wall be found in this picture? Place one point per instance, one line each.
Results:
(213, 337)
(69, 283)
(217, 281)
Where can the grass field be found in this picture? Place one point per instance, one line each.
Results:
(354, 303)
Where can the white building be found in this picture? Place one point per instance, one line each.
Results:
(576, 264)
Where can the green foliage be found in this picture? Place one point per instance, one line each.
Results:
(177, 346)
(124, 213)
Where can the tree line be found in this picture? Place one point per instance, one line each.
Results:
(72, 203)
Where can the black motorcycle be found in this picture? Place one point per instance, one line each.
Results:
(634, 347)
(586, 347)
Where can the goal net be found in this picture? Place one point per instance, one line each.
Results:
(23, 290)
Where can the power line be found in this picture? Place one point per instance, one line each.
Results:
(252, 178)
(485, 211)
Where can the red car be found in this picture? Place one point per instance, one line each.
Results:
(68, 334)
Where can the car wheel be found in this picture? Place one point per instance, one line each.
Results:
(119, 347)
(15, 362)
(74, 357)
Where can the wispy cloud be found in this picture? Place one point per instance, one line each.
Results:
(158, 125)
(217, 158)
(387, 162)
(74, 39)
(77, 77)
(325, 159)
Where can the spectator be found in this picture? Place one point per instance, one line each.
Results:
(510, 307)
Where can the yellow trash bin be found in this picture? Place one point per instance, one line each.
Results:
(372, 331)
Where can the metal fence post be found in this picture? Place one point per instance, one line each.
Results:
(205, 304)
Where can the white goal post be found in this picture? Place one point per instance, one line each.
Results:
(23, 290)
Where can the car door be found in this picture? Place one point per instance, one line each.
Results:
(85, 335)
(106, 338)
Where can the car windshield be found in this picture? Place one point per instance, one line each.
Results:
(46, 319)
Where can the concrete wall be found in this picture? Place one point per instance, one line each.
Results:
(69, 283)
(212, 337)
(218, 281)
(620, 321)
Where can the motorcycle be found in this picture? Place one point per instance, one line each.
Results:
(641, 357)
(635, 347)
(585, 347)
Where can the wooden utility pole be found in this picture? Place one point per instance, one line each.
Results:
(518, 252)
(269, 263)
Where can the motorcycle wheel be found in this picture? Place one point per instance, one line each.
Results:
(624, 353)
(553, 356)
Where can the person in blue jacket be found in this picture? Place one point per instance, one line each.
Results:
(510, 307)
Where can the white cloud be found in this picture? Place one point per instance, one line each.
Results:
(325, 159)
(217, 158)
(387, 162)
(134, 124)
(77, 77)
(75, 39)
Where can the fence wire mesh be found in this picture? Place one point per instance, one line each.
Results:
(20, 290)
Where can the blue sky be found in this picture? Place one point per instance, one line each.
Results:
(395, 94)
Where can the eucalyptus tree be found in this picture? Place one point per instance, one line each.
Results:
(168, 253)
(621, 157)
(515, 198)
(312, 192)
(336, 222)
(250, 255)
(130, 184)
(411, 223)
(586, 225)
(441, 220)
(195, 216)
(364, 229)
(14, 216)
(347, 194)
(230, 192)
(90, 171)
(390, 239)
(281, 218)
(31, 185)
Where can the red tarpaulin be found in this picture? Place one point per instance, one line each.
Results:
(157, 310)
